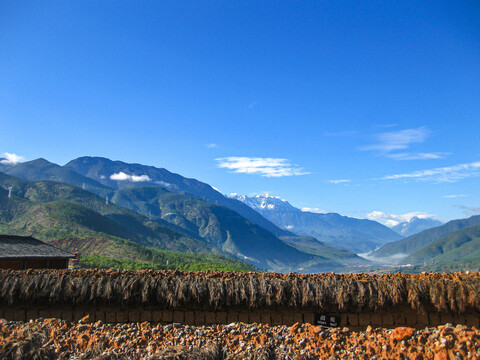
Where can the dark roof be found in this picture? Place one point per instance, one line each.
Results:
(14, 246)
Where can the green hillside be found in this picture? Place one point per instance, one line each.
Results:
(416, 242)
(105, 252)
(54, 211)
(462, 245)
(119, 221)
(98, 238)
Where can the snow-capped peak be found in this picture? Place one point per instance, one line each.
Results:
(264, 202)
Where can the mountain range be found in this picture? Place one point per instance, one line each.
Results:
(355, 235)
(72, 218)
(208, 226)
(121, 175)
(141, 215)
(34, 205)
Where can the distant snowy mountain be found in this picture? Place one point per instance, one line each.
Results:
(266, 202)
(343, 232)
(415, 225)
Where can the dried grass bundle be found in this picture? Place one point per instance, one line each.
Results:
(29, 344)
(457, 292)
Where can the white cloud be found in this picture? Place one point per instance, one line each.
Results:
(388, 143)
(443, 174)
(211, 146)
(267, 167)
(339, 181)
(121, 176)
(289, 227)
(398, 140)
(393, 219)
(252, 104)
(315, 210)
(417, 156)
(454, 196)
(11, 159)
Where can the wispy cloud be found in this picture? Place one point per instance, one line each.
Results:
(11, 159)
(398, 140)
(315, 210)
(394, 219)
(417, 156)
(121, 176)
(454, 196)
(211, 146)
(389, 143)
(253, 104)
(339, 181)
(267, 167)
(443, 174)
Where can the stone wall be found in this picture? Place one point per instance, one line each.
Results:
(354, 321)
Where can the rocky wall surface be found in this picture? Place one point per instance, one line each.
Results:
(352, 320)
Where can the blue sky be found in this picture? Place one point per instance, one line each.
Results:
(352, 107)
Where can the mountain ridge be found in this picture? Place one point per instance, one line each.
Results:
(356, 235)
(101, 169)
(215, 224)
(42, 169)
(136, 227)
(100, 240)
(265, 251)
